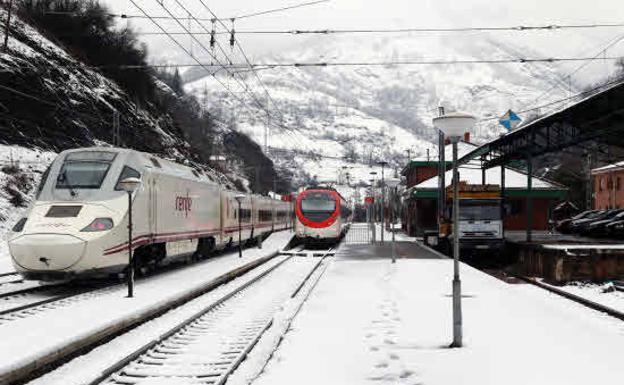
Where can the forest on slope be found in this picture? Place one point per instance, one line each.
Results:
(64, 83)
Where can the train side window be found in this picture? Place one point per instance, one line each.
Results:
(155, 162)
(245, 215)
(127, 172)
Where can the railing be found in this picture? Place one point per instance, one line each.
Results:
(359, 233)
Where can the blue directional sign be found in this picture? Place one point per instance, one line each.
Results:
(510, 120)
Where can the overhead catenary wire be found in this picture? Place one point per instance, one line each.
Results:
(558, 101)
(181, 46)
(237, 43)
(383, 63)
(335, 31)
(241, 82)
(162, 17)
(583, 65)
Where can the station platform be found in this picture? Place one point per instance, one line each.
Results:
(402, 249)
(372, 321)
(561, 258)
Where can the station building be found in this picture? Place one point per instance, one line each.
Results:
(421, 196)
(608, 186)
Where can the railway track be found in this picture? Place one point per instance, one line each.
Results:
(28, 302)
(63, 354)
(573, 297)
(9, 278)
(22, 303)
(210, 345)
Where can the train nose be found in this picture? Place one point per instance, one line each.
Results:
(47, 251)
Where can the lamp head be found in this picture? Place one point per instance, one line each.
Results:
(130, 184)
(454, 124)
(239, 197)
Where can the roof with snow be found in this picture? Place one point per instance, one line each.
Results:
(463, 148)
(610, 167)
(515, 181)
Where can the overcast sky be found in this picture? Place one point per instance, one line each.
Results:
(394, 13)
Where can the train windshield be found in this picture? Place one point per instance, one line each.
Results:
(85, 170)
(318, 202)
(480, 210)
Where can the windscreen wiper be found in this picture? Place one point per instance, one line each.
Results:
(63, 178)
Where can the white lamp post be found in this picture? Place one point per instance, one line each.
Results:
(454, 125)
(239, 198)
(130, 185)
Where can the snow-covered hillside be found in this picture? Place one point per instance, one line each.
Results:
(378, 112)
(20, 172)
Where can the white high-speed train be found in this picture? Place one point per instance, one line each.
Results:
(78, 224)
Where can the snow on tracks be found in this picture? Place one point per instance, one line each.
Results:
(211, 344)
(32, 344)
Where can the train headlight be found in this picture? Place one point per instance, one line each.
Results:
(19, 226)
(99, 224)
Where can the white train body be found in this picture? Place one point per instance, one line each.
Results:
(78, 224)
(322, 215)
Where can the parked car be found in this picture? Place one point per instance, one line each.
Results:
(563, 226)
(599, 228)
(581, 226)
(615, 229)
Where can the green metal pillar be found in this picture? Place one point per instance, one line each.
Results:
(502, 192)
(529, 198)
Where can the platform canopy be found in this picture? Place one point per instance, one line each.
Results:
(597, 120)
(471, 172)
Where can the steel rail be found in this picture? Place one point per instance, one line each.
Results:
(62, 355)
(143, 349)
(217, 378)
(573, 297)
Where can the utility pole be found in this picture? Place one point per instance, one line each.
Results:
(116, 136)
(588, 187)
(266, 129)
(7, 27)
(383, 164)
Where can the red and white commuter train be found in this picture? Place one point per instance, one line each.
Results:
(78, 224)
(322, 215)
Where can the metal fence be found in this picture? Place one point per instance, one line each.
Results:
(359, 233)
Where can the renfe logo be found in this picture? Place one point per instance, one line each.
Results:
(184, 204)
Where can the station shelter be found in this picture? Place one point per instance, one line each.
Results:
(421, 196)
(608, 186)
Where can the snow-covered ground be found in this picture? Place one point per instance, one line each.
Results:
(370, 321)
(26, 340)
(86, 368)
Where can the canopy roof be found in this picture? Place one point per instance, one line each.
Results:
(596, 119)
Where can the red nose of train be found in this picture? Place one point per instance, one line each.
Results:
(318, 208)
